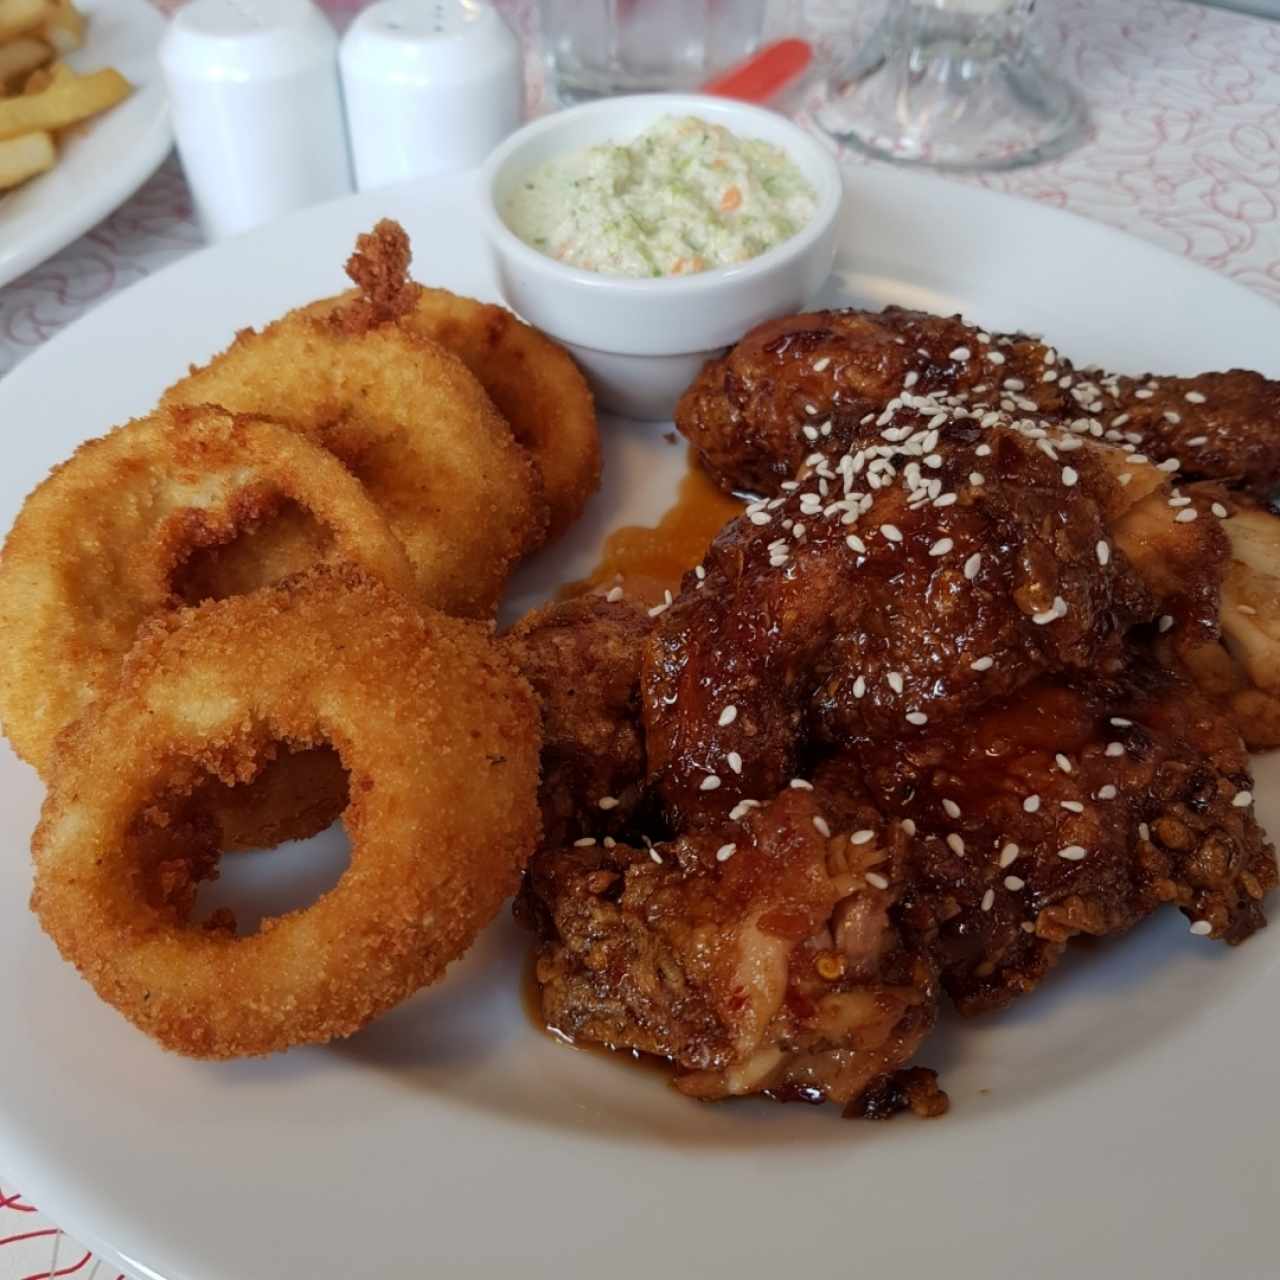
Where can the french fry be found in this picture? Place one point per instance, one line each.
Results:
(54, 73)
(24, 157)
(64, 27)
(21, 56)
(63, 103)
(17, 17)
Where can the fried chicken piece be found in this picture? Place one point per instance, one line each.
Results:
(864, 603)
(1241, 669)
(1080, 805)
(755, 413)
(582, 657)
(760, 958)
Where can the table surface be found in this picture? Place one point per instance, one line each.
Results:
(1185, 152)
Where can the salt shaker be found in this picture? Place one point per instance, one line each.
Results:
(257, 109)
(431, 86)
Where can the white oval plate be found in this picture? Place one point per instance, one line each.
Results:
(1117, 1122)
(102, 162)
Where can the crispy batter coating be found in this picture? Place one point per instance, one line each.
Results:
(759, 958)
(409, 420)
(96, 547)
(917, 579)
(582, 657)
(536, 387)
(439, 735)
(1078, 806)
(747, 412)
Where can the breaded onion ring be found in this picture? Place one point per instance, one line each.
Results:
(96, 546)
(439, 735)
(414, 426)
(535, 385)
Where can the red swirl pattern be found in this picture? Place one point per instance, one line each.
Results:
(1185, 152)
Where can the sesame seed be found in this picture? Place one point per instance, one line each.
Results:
(960, 353)
(1104, 553)
(1014, 883)
(1114, 749)
(1144, 831)
(972, 565)
(1073, 853)
(1173, 419)
(1196, 441)
(613, 595)
(725, 852)
(820, 825)
(699, 572)
(728, 715)
(951, 809)
(1186, 515)
(1015, 384)
(1201, 928)
(1069, 476)
(811, 409)
(1028, 927)
(1169, 464)
(1106, 793)
(607, 802)
(982, 664)
(855, 543)
(892, 532)
(945, 500)
(1063, 763)
(609, 842)
(908, 826)
(658, 610)
(820, 365)
(1143, 394)
(1009, 854)
(983, 451)
(1219, 510)
(760, 517)
(1120, 420)
(1179, 501)
(995, 357)
(955, 843)
(894, 679)
(735, 761)
(876, 880)
(1071, 806)
(1194, 397)
(710, 783)
(977, 479)
(810, 433)
(1031, 804)
(1165, 623)
(859, 687)
(799, 784)
(941, 547)
(585, 843)
(917, 718)
(911, 379)
(1242, 799)
(655, 855)
(1123, 478)
(1044, 617)
(1247, 609)
(988, 899)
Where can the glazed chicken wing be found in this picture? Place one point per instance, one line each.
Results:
(1079, 805)
(582, 657)
(946, 560)
(805, 381)
(759, 959)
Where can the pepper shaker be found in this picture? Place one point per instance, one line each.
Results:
(257, 110)
(431, 87)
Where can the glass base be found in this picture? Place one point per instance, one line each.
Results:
(953, 90)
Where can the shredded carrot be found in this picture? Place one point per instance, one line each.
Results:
(731, 199)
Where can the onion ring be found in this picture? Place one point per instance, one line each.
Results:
(95, 548)
(413, 425)
(440, 737)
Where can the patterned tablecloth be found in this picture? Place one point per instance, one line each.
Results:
(1185, 153)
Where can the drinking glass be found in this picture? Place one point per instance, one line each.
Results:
(955, 84)
(600, 47)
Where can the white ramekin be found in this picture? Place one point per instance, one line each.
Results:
(641, 342)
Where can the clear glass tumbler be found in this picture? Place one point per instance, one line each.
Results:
(955, 84)
(599, 47)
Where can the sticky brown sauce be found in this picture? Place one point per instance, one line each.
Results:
(531, 997)
(646, 560)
